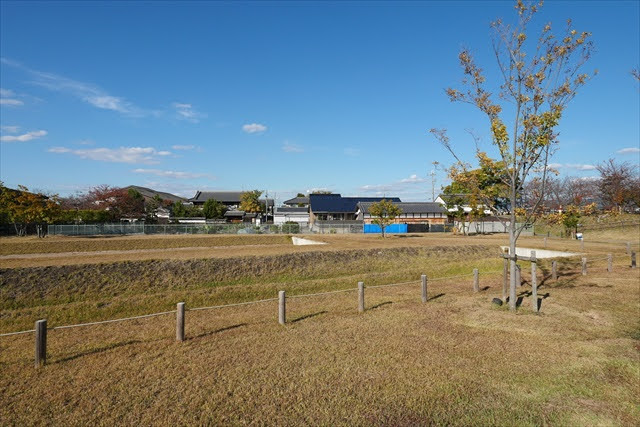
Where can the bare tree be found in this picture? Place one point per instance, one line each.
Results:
(538, 79)
(618, 184)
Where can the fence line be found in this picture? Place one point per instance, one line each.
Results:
(111, 321)
(393, 284)
(229, 305)
(266, 300)
(212, 307)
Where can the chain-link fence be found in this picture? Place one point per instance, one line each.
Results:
(141, 228)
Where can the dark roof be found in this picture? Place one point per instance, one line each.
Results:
(297, 201)
(410, 207)
(149, 193)
(291, 210)
(335, 203)
(224, 197)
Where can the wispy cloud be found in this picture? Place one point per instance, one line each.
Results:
(10, 129)
(289, 147)
(9, 98)
(24, 137)
(353, 152)
(87, 92)
(143, 155)
(173, 174)
(399, 186)
(630, 150)
(254, 128)
(187, 112)
(183, 147)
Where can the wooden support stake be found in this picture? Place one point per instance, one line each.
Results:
(534, 282)
(361, 297)
(505, 279)
(629, 248)
(282, 308)
(423, 278)
(610, 263)
(633, 259)
(545, 242)
(584, 266)
(180, 322)
(476, 284)
(518, 278)
(41, 343)
(554, 270)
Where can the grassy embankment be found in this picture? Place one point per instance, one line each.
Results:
(456, 360)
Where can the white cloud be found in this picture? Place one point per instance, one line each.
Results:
(413, 179)
(630, 150)
(10, 129)
(172, 174)
(288, 147)
(24, 137)
(187, 112)
(144, 155)
(577, 166)
(8, 97)
(254, 128)
(183, 147)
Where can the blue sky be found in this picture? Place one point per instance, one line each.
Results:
(281, 96)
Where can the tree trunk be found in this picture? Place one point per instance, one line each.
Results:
(512, 253)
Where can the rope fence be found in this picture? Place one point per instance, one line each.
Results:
(41, 328)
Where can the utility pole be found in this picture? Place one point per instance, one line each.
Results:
(433, 180)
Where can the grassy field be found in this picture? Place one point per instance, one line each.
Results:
(456, 360)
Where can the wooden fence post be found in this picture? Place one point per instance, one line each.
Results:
(180, 322)
(554, 270)
(633, 259)
(423, 278)
(41, 343)
(610, 263)
(584, 266)
(505, 279)
(360, 297)
(282, 308)
(518, 278)
(534, 282)
(476, 283)
(545, 242)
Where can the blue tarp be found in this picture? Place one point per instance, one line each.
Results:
(391, 228)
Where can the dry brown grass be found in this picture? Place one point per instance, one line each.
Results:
(456, 360)
(453, 361)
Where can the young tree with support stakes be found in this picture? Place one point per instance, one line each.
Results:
(384, 212)
(537, 79)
